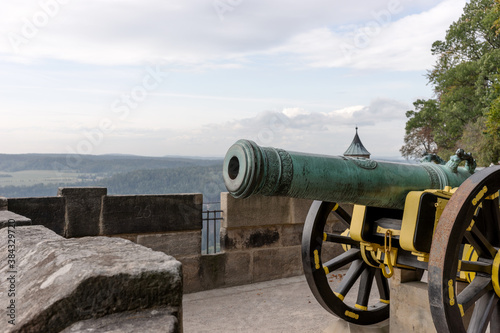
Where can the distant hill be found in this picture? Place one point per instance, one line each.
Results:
(108, 164)
(195, 179)
(121, 174)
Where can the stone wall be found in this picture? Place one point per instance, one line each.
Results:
(168, 223)
(260, 236)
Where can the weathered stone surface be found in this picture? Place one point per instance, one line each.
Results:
(8, 218)
(238, 269)
(130, 237)
(246, 238)
(410, 311)
(158, 320)
(276, 263)
(83, 208)
(69, 280)
(46, 211)
(4, 203)
(259, 211)
(151, 213)
(291, 234)
(212, 270)
(330, 251)
(175, 244)
(191, 273)
(299, 209)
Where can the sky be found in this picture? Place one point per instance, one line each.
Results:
(176, 77)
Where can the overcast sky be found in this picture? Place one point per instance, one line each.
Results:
(177, 77)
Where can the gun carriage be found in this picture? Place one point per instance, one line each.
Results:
(442, 218)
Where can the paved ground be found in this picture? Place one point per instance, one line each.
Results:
(285, 305)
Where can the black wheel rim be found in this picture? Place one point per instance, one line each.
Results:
(363, 313)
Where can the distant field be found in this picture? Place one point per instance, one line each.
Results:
(32, 177)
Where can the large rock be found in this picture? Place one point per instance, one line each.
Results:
(58, 282)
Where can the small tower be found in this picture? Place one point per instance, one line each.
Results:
(356, 149)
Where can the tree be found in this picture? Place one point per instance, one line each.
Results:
(419, 138)
(476, 138)
(465, 80)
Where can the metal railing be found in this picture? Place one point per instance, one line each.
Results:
(210, 242)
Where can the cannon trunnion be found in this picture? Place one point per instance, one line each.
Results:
(410, 216)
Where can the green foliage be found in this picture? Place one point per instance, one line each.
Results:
(419, 137)
(196, 179)
(475, 138)
(465, 80)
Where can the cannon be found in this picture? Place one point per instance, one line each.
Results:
(434, 216)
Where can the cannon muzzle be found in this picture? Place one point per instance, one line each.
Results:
(250, 169)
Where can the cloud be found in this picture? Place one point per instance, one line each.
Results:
(199, 34)
(384, 42)
(381, 128)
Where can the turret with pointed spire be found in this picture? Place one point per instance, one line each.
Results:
(356, 149)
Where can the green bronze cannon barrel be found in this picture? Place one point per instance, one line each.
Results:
(250, 169)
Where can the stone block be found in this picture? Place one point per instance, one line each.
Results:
(330, 251)
(9, 219)
(299, 209)
(291, 234)
(212, 270)
(191, 274)
(247, 238)
(254, 211)
(83, 208)
(238, 268)
(46, 211)
(158, 320)
(410, 310)
(276, 263)
(126, 214)
(176, 244)
(4, 203)
(65, 281)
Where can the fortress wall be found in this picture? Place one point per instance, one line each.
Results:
(260, 236)
(46, 211)
(168, 223)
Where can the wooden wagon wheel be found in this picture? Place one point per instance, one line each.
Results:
(316, 272)
(467, 241)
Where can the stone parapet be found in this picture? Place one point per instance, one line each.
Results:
(130, 214)
(262, 211)
(83, 204)
(47, 211)
(4, 203)
(176, 244)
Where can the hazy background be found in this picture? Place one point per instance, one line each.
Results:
(160, 77)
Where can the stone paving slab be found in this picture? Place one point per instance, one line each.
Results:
(285, 305)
